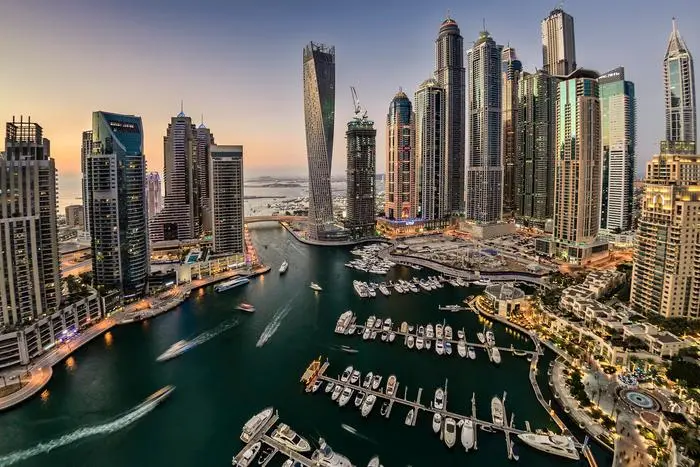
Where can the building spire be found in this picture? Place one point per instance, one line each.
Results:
(182, 111)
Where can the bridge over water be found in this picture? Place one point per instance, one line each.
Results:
(252, 219)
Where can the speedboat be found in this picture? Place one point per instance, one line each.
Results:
(448, 332)
(316, 287)
(428, 343)
(467, 435)
(392, 336)
(374, 462)
(438, 331)
(439, 347)
(336, 392)
(345, 396)
(178, 348)
(429, 331)
(284, 266)
(437, 422)
(385, 408)
(419, 343)
(449, 432)
(495, 355)
(460, 334)
(224, 286)
(255, 423)
(314, 387)
(368, 404)
(290, 439)
(325, 457)
(329, 386)
(410, 341)
(558, 445)
(481, 337)
(376, 381)
(390, 385)
(247, 307)
(248, 456)
(448, 348)
(346, 374)
(490, 339)
(368, 380)
(370, 321)
(378, 324)
(472, 353)
(366, 333)
(359, 398)
(355, 377)
(497, 410)
(439, 399)
(461, 348)
(409, 417)
(266, 452)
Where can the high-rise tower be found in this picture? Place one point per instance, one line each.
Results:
(204, 141)
(558, 44)
(619, 137)
(679, 81)
(226, 198)
(319, 117)
(401, 199)
(361, 175)
(431, 161)
(510, 69)
(485, 170)
(30, 285)
(154, 193)
(449, 73)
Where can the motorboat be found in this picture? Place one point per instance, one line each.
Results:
(404, 327)
(558, 445)
(410, 341)
(385, 336)
(448, 348)
(495, 355)
(497, 410)
(374, 462)
(448, 332)
(481, 337)
(248, 456)
(461, 348)
(467, 434)
(490, 339)
(376, 381)
(345, 396)
(255, 423)
(230, 284)
(368, 404)
(329, 387)
(449, 432)
(346, 374)
(360, 289)
(315, 287)
(266, 452)
(421, 331)
(284, 266)
(484, 282)
(390, 385)
(410, 328)
(291, 463)
(409, 416)
(387, 324)
(439, 347)
(355, 377)
(428, 344)
(368, 380)
(438, 331)
(290, 439)
(472, 353)
(366, 333)
(175, 350)
(392, 336)
(439, 399)
(378, 324)
(351, 329)
(373, 335)
(359, 398)
(437, 422)
(419, 343)
(314, 387)
(343, 322)
(337, 390)
(460, 334)
(324, 456)
(384, 290)
(370, 321)
(247, 307)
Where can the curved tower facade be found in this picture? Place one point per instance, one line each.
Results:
(319, 117)
(679, 81)
(401, 199)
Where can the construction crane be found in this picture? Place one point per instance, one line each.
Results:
(356, 103)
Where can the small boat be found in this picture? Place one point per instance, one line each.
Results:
(247, 307)
(355, 377)
(345, 396)
(428, 343)
(324, 456)
(467, 435)
(336, 392)
(437, 422)
(404, 327)
(392, 336)
(376, 381)
(421, 331)
(290, 439)
(409, 417)
(448, 348)
(472, 353)
(390, 385)
(461, 348)
(248, 456)
(264, 454)
(346, 374)
(385, 336)
(419, 343)
(351, 329)
(497, 411)
(374, 462)
(366, 333)
(284, 266)
(481, 337)
(368, 380)
(368, 404)
(460, 334)
(495, 355)
(558, 445)
(329, 387)
(490, 339)
(314, 387)
(439, 399)
(359, 398)
(256, 422)
(373, 335)
(348, 349)
(385, 408)
(175, 350)
(438, 331)
(387, 325)
(416, 267)
(410, 341)
(448, 332)
(439, 347)
(429, 331)
(410, 328)
(315, 287)
(449, 432)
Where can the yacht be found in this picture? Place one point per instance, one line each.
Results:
(247, 307)
(343, 322)
(255, 423)
(490, 339)
(359, 398)
(460, 333)
(329, 386)
(392, 336)
(384, 290)
(368, 404)
(284, 266)
(497, 410)
(370, 321)
(374, 462)
(495, 355)
(390, 385)
(315, 286)
(428, 343)
(355, 377)
(376, 381)
(387, 325)
(485, 282)
(290, 439)
(413, 288)
(410, 341)
(421, 331)
(248, 456)
(378, 324)
(346, 374)
(438, 331)
(409, 417)
(472, 353)
(325, 457)
(291, 463)
(448, 332)
(385, 408)
(360, 289)
(224, 286)
(437, 422)
(336, 392)
(429, 331)
(404, 327)
(461, 348)
(266, 452)
(439, 399)
(467, 435)
(481, 337)
(448, 348)
(439, 347)
(314, 387)
(366, 333)
(345, 396)
(178, 348)
(558, 445)
(368, 380)
(449, 432)
(419, 343)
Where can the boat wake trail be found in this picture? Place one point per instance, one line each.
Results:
(274, 324)
(354, 432)
(81, 433)
(212, 333)
(295, 247)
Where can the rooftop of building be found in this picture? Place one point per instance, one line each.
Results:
(666, 338)
(449, 25)
(676, 44)
(505, 291)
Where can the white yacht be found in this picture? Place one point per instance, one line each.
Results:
(437, 422)
(438, 331)
(336, 392)
(439, 347)
(346, 374)
(448, 332)
(368, 404)
(284, 266)
(467, 435)
(325, 457)
(345, 396)
(316, 287)
(390, 385)
(376, 381)
(497, 410)
(343, 322)
(367, 333)
(481, 337)
(387, 325)
(419, 343)
(462, 348)
(359, 398)
(248, 456)
(289, 438)
(448, 348)
(428, 343)
(392, 336)
(495, 355)
(472, 353)
(409, 417)
(429, 331)
(384, 290)
(553, 444)
(255, 423)
(449, 432)
(460, 333)
(177, 349)
(230, 284)
(410, 341)
(368, 380)
(360, 289)
(355, 377)
(490, 339)
(439, 399)
(329, 387)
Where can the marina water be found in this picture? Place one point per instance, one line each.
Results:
(86, 417)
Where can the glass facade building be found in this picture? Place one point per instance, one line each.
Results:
(361, 176)
(226, 194)
(431, 160)
(510, 70)
(679, 81)
(401, 185)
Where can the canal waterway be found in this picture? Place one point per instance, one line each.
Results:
(87, 415)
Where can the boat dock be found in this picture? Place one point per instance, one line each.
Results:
(258, 436)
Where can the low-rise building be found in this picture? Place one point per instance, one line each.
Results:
(505, 298)
(661, 343)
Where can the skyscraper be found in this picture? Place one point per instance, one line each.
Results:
(578, 165)
(115, 180)
(319, 117)
(154, 194)
(510, 70)
(180, 218)
(449, 73)
(361, 175)
(619, 137)
(679, 81)
(485, 170)
(666, 273)
(204, 141)
(30, 285)
(226, 195)
(400, 193)
(536, 138)
(558, 44)
(431, 161)
(85, 150)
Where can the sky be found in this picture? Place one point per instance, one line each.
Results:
(239, 64)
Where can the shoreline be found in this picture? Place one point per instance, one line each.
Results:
(330, 243)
